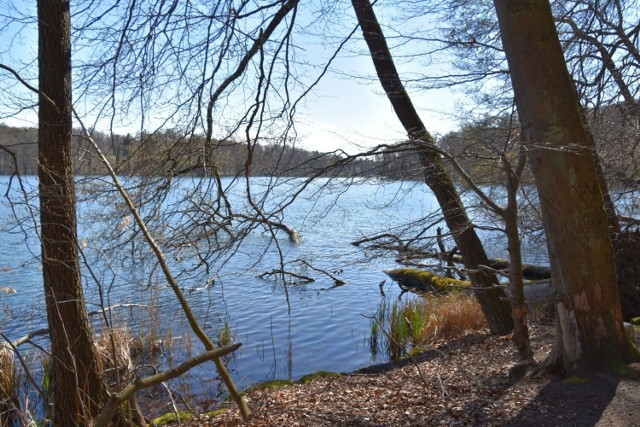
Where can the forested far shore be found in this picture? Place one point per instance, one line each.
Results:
(475, 147)
(169, 153)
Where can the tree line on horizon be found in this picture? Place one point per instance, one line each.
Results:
(475, 146)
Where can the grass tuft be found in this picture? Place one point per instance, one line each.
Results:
(113, 348)
(225, 336)
(400, 326)
(8, 384)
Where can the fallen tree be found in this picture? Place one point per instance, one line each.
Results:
(626, 246)
(391, 242)
(427, 281)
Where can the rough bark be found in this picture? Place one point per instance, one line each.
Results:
(590, 334)
(78, 388)
(492, 299)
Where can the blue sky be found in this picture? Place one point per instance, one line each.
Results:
(341, 112)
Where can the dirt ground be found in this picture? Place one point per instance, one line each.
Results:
(463, 382)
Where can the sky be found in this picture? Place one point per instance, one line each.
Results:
(341, 112)
(352, 113)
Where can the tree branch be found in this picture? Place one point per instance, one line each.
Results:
(116, 399)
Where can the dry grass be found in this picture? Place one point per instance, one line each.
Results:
(451, 316)
(113, 348)
(7, 372)
(7, 383)
(415, 323)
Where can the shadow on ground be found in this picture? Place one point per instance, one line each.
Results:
(573, 401)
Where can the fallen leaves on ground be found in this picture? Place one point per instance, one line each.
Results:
(459, 383)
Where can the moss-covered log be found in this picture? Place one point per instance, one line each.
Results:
(426, 281)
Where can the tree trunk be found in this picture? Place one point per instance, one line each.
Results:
(518, 306)
(491, 298)
(78, 388)
(590, 334)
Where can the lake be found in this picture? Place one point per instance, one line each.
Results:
(286, 332)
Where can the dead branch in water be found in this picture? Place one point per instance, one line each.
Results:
(338, 282)
(282, 273)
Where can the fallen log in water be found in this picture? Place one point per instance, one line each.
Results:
(391, 242)
(427, 281)
(529, 271)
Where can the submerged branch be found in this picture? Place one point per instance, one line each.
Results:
(294, 237)
(391, 242)
(338, 282)
(281, 273)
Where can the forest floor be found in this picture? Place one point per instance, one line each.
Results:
(457, 383)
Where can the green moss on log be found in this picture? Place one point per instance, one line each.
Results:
(426, 280)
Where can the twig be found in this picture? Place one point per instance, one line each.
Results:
(28, 337)
(28, 86)
(173, 402)
(339, 282)
(280, 272)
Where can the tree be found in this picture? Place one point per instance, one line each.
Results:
(79, 389)
(589, 332)
(490, 296)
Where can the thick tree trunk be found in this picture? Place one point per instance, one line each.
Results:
(78, 389)
(590, 334)
(492, 299)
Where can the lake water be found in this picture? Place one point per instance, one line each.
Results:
(284, 333)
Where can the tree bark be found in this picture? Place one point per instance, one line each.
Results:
(491, 298)
(78, 388)
(518, 306)
(590, 334)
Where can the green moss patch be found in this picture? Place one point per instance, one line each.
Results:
(171, 417)
(635, 321)
(426, 280)
(320, 374)
(215, 413)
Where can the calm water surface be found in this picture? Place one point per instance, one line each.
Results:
(321, 327)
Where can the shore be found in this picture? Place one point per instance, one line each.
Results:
(460, 382)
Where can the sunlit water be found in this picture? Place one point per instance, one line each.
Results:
(284, 335)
